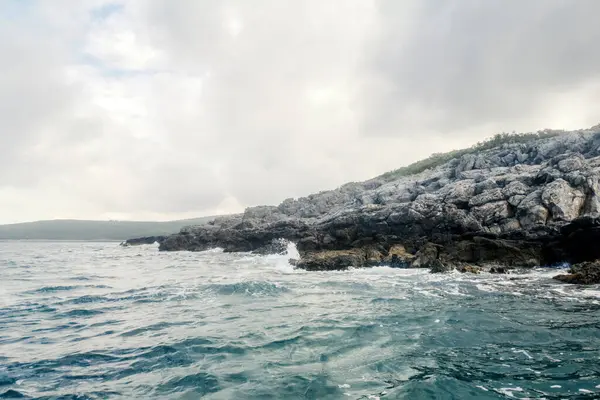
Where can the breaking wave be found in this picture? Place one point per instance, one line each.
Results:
(145, 324)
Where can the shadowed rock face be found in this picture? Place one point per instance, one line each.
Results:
(516, 205)
(143, 240)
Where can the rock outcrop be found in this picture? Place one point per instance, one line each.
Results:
(518, 204)
(585, 273)
(143, 240)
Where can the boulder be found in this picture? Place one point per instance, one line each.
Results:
(143, 240)
(469, 269)
(332, 260)
(426, 256)
(492, 212)
(487, 196)
(398, 257)
(564, 202)
(531, 212)
(571, 163)
(437, 267)
(586, 273)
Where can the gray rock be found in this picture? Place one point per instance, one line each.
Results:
(526, 190)
(515, 188)
(426, 257)
(487, 197)
(564, 202)
(438, 267)
(570, 164)
(460, 192)
(491, 212)
(530, 210)
(485, 184)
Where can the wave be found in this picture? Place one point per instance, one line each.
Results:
(248, 288)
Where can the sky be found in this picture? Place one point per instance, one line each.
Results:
(161, 109)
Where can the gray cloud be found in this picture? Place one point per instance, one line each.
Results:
(161, 109)
(472, 62)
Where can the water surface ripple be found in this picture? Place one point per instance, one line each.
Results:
(97, 321)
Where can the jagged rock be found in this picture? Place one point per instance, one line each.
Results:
(516, 200)
(426, 256)
(398, 257)
(331, 260)
(515, 188)
(570, 164)
(469, 269)
(517, 196)
(437, 267)
(487, 197)
(563, 201)
(531, 212)
(492, 212)
(460, 193)
(143, 240)
(586, 273)
(484, 185)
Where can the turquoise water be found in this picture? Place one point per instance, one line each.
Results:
(97, 321)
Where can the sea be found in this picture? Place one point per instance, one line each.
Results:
(82, 320)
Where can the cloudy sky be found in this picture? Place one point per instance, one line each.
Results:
(160, 109)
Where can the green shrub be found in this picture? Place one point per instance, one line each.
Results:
(437, 159)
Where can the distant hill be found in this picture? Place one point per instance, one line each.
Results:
(93, 230)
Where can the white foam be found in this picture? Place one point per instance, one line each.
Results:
(585, 391)
(213, 251)
(292, 251)
(555, 386)
(508, 392)
(523, 352)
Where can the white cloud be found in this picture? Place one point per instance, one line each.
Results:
(158, 109)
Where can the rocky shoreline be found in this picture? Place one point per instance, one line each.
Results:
(514, 205)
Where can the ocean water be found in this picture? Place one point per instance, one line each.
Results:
(97, 321)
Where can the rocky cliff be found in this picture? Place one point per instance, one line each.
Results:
(513, 204)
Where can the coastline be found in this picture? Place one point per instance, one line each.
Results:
(506, 204)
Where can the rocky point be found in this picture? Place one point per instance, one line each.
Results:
(519, 204)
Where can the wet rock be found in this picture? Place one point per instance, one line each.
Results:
(398, 257)
(277, 246)
(586, 273)
(332, 260)
(469, 269)
(426, 256)
(437, 267)
(143, 240)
